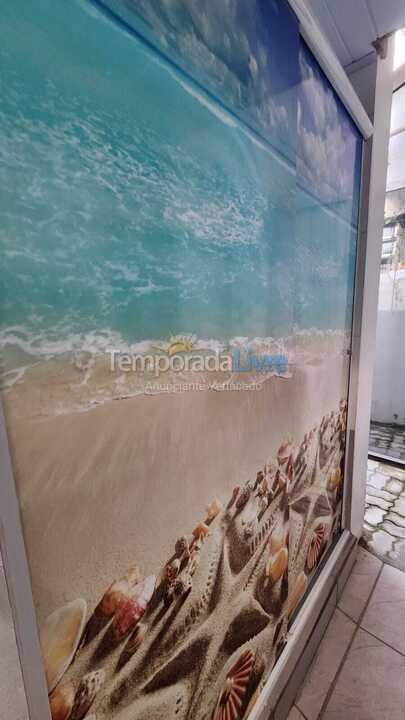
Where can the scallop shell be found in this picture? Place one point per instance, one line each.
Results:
(297, 592)
(315, 546)
(201, 531)
(61, 702)
(213, 509)
(131, 611)
(86, 693)
(232, 695)
(117, 593)
(60, 638)
(277, 565)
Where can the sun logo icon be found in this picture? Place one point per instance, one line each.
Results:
(178, 344)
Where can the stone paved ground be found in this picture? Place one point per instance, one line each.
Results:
(388, 440)
(384, 521)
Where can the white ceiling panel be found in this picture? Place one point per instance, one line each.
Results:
(354, 24)
(321, 11)
(351, 26)
(389, 15)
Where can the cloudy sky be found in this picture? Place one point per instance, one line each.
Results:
(244, 53)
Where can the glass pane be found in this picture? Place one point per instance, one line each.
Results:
(179, 240)
(387, 434)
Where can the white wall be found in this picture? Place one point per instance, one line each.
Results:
(388, 403)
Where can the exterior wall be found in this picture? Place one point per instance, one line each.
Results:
(389, 377)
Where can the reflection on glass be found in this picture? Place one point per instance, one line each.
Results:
(387, 435)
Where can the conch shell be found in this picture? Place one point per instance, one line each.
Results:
(297, 592)
(232, 695)
(60, 637)
(61, 702)
(132, 610)
(277, 565)
(117, 593)
(86, 693)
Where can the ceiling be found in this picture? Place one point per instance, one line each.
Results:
(352, 25)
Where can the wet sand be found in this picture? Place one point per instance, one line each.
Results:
(116, 485)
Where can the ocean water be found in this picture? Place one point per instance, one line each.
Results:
(136, 206)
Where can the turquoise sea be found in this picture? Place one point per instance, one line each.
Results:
(137, 206)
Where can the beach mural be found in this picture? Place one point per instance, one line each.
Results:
(179, 219)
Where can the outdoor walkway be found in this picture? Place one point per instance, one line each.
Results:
(358, 672)
(387, 439)
(384, 523)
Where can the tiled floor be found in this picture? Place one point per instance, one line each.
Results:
(359, 670)
(12, 697)
(388, 439)
(384, 522)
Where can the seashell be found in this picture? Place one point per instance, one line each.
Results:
(182, 546)
(61, 702)
(183, 584)
(136, 639)
(263, 488)
(276, 541)
(284, 451)
(232, 695)
(86, 693)
(131, 611)
(60, 637)
(117, 593)
(296, 593)
(277, 565)
(213, 509)
(201, 531)
(172, 569)
(259, 477)
(197, 545)
(235, 493)
(243, 497)
(315, 547)
(335, 478)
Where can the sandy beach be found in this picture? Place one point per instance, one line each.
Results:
(119, 483)
(116, 485)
